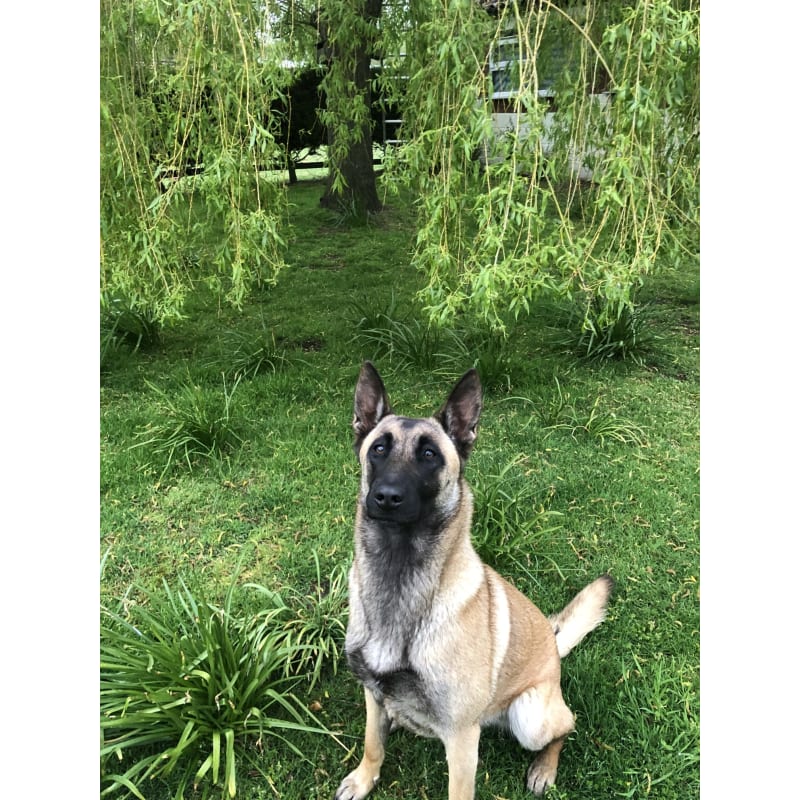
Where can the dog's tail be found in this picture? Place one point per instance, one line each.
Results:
(582, 614)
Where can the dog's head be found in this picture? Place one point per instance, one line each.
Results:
(411, 468)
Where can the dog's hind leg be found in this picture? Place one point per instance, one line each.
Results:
(362, 779)
(462, 762)
(540, 720)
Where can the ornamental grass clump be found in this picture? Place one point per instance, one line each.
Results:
(247, 354)
(188, 688)
(624, 334)
(191, 422)
(507, 517)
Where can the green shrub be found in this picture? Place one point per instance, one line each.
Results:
(624, 334)
(490, 353)
(506, 520)
(128, 322)
(560, 413)
(405, 341)
(316, 623)
(112, 349)
(551, 412)
(246, 354)
(604, 424)
(192, 422)
(186, 687)
(410, 341)
(124, 328)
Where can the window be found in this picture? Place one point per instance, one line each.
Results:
(506, 63)
(504, 66)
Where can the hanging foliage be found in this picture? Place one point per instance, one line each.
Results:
(551, 148)
(186, 130)
(594, 182)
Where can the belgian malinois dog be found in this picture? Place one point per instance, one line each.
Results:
(442, 644)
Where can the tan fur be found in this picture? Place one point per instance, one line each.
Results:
(582, 615)
(442, 643)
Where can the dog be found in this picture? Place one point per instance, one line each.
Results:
(441, 643)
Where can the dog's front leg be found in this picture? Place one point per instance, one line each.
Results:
(360, 781)
(462, 762)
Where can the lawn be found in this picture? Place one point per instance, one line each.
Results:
(579, 469)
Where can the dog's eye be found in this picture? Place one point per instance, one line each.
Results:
(379, 449)
(428, 453)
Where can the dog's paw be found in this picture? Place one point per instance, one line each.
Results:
(355, 786)
(541, 776)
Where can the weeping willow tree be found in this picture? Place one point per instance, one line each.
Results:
(186, 129)
(592, 184)
(595, 181)
(350, 41)
(343, 38)
(189, 132)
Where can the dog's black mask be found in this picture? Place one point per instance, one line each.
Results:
(403, 491)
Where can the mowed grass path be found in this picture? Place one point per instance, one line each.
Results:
(578, 470)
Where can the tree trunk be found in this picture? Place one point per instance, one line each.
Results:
(359, 194)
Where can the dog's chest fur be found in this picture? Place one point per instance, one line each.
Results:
(399, 619)
(391, 621)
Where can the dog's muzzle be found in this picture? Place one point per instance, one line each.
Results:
(392, 501)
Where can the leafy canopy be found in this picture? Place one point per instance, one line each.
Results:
(593, 185)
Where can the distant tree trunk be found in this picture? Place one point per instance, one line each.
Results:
(291, 166)
(351, 178)
(360, 192)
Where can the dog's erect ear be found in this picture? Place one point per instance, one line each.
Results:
(460, 414)
(371, 403)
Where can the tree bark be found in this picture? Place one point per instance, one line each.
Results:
(359, 195)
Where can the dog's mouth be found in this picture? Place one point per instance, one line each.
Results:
(398, 516)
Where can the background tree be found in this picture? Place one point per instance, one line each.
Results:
(524, 220)
(186, 88)
(301, 131)
(349, 41)
(581, 200)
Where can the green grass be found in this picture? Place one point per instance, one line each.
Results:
(183, 680)
(189, 423)
(626, 335)
(580, 468)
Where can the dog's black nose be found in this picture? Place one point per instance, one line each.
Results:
(393, 500)
(388, 498)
